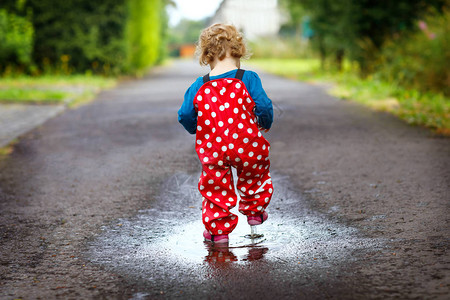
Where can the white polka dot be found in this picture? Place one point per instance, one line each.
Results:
(200, 114)
(199, 142)
(220, 124)
(259, 134)
(246, 207)
(204, 210)
(209, 145)
(220, 163)
(245, 140)
(270, 190)
(227, 132)
(214, 129)
(215, 154)
(218, 174)
(227, 105)
(206, 136)
(235, 110)
(259, 157)
(248, 100)
(266, 200)
(202, 150)
(264, 147)
(199, 98)
(210, 181)
(224, 180)
(224, 148)
(206, 106)
(214, 99)
(257, 196)
(218, 139)
(259, 208)
(246, 164)
(238, 85)
(240, 150)
(214, 84)
(254, 166)
(251, 154)
(235, 136)
(237, 159)
(206, 218)
(204, 173)
(205, 159)
(243, 189)
(243, 116)
(227, 225)
(249, 130)
(209, 194)
(227, 204)
(211, 205)
(202, 187)
(231, 146)
(240, 100)
(248, 174)
(207, 91)
(231, 200)
(207, 122)
(213, 114)
(240, 125)
(232, 95)
(230, 120)
(223, 90)
(249, 181)
(255, 144)
(220, 232)
(222, 108)
(251, 121)
(213, 225)
(224, 193)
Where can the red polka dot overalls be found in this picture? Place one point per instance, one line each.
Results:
(228, 136)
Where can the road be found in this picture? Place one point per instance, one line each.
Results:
(101, 202)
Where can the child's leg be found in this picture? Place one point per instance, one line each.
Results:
(254, 186)
(216, 187)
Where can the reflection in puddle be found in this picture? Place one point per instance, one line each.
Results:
(164, 246)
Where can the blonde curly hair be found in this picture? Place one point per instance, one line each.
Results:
(219, 39)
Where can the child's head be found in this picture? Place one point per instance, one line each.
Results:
(218, 41)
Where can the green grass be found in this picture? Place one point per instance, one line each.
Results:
(426, 109)
(17, 95)
(52, 89)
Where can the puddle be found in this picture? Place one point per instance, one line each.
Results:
(163, 246)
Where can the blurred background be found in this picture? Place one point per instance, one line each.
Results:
(389, 55)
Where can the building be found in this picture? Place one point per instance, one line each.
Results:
(255, 18)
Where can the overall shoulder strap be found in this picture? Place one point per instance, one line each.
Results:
(239, 74)
(206, 78)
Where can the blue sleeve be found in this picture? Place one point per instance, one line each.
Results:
(187, 115)
(264, 108)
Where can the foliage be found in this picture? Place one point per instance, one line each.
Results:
(428, 109)
(143, 33)
(358, 28)
(106, 37)
(420, 59)
(16, 39)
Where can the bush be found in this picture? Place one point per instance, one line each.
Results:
(420, 59)
(16, 39)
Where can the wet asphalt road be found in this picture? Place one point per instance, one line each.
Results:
(101, 202)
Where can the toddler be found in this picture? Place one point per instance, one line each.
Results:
(226, 109)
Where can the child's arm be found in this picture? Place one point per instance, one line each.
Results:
(187, 115)
(263, 108)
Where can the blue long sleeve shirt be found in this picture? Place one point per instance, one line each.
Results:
(187, 115)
